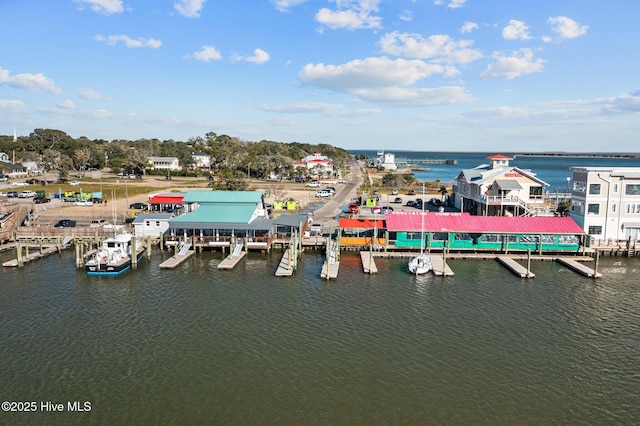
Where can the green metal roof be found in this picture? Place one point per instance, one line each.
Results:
(223, 197)
(220, 213)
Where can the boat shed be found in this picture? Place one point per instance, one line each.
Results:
(463, 231)
(219, 218)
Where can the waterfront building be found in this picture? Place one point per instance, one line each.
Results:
(168, 203)
(164, 163)
(386, 161)
(499, 189)
(219, 218)
(605, 202)
(151, 224)
(201, 160)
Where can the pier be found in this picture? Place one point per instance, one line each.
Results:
(517, 269)
(332, 262)
(236, 256)
(368, 264)
(177, 259)
(578, 267)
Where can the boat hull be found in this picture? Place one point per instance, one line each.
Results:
(111, 269)
(420, 264)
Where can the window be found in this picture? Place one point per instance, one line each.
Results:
(595, 230)
(632, 208)
(579, 186)
(594, 189)
(535, 192)
(632, 189)
(615, 188)
(593, 209)
(614, 207)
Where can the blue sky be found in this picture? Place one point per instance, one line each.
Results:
(443, 75)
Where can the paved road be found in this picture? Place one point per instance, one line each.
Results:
(326, 215)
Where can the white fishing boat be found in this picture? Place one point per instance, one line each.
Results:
(420, 264)
(115, 255)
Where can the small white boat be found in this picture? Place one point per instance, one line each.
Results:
(420, 264)
(114, 256)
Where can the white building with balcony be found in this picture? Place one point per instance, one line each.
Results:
(605, 202)
(498, 189)
(164, 163)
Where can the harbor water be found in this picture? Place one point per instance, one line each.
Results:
(197, 345)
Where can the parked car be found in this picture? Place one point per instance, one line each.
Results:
(12, 194)
(19, 183)
(139, 206)
(411, 192)
(95, 200)
(74, 183)
(83, 203)
(386, 210)
(65, 223)
(340, 181)
(70, 199)
(3, 178)
(298, 179)
(394, 192)
(376, 210)
(397, 200)
(353, 208)
(435, 202)
(41, 200)
(411, 203)
(323, 194)
(313, 184)
(26, 194)
(97, 223)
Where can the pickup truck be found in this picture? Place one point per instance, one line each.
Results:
(26, 194)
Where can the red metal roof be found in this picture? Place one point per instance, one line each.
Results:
(464, 222)
(166, 199)
(499, 157)
(361, 223)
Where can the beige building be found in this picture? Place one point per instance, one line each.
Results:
(498, 189)
(164, 163)
(605, 202)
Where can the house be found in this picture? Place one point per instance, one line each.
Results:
(164, 163)
(499, 189)
(201, 160)
(220, 218)
(151, 224)
(12, 170)
(605, 202)
(386, 161)
(319, 164)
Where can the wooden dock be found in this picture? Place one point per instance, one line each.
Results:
(440, 267)
(517, 269)
(31, 257)
(287, 264)
(177, 259)
(232, 260)
(368, 264)
(578, 267)
(332, 263)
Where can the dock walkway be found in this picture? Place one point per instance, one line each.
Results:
(515, 267)
(578, 267)
(177, 259)
(368, 264)
(440, 267)
(287, 264)
(232, 260)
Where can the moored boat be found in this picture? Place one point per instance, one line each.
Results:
(114, 256)
(420, 264)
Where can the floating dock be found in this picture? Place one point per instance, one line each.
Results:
(332, 263)
(440, 267)
(232, 260)
(368, 264)
(178, 258)
(31, 257)
(578, 267)
(287, 264)
(517, 269)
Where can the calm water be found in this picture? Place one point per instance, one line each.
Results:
(198, 345)
(552, 170)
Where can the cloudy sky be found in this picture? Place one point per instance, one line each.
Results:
(441, 75)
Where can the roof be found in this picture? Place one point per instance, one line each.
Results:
(204, 196)
(151, 216)
(480, 176)
(291, 220)
(464, 222)
(361, 223)
(229, 213)
(166, 199)
(508, 184)
(499, 157)
(190, 221)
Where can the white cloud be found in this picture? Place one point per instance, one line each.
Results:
(519, 63)
(406, 16)
(440, 48)
(13, 107)
(189, 8)
(403, 96)
(106, 7)
(567, 28)
(129, 42)
(625, 103)
(468, 26)
(516, 30)
(286, 5)
(207, 53)
(329, 109)
(259, 57)
(68, 104)
(368, 73)
(451, 4)
(351, 15)
(28, 81)
(90, 95)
